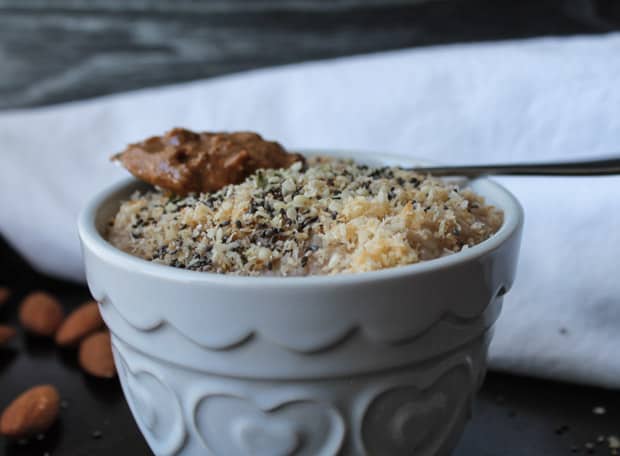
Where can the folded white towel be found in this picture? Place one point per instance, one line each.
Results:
(526, 100)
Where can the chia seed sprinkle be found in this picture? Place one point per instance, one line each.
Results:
(332, 216)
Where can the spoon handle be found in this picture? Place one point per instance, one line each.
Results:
(599, 167)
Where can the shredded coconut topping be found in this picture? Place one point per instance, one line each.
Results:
(330, 216)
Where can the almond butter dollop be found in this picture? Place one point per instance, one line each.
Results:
(182, 161)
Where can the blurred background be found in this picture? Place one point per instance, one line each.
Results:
(60, 50)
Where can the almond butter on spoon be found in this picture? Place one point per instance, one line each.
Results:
(41, 313)
(32, 412)
(83, 321)
(182, 161)
(95, 355)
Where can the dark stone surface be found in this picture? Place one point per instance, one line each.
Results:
(61, 50)
(514, 416)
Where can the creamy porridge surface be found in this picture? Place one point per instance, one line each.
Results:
(326, 216)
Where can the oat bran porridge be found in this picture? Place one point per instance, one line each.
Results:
(320, 216)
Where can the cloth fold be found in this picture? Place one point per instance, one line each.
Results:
(538, 99)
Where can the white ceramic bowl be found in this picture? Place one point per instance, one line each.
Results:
(377, 363)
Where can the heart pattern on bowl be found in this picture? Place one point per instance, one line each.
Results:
(154, 406)
(234, 425)
(271, 438)
(405, 420)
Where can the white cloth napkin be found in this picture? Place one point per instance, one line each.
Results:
(524, 100)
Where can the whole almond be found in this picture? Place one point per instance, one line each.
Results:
(96, 355)
(6, 334)
(40, 313)
(33, 412)
(5, 294)
(83, 321)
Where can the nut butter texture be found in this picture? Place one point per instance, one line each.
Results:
(182, 161)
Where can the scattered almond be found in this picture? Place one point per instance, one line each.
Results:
(33, 412)
(96, 355)
(83, 321)
(5, 294)
(41, 313)
(6, 334)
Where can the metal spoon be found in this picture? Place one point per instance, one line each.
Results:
(600, 167)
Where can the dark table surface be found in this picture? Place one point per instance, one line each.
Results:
(513, 415)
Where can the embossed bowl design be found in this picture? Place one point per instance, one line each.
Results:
(378, 363)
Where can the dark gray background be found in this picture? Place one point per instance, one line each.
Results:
(53, 51)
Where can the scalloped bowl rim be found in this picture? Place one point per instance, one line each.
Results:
(93, 239)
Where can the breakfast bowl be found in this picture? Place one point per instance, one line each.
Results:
(385, 362)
